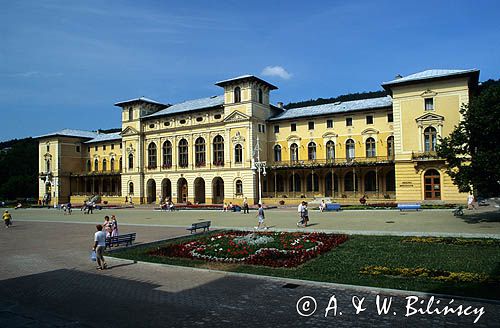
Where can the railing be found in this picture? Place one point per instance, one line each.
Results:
(354, 161)
(425, 156)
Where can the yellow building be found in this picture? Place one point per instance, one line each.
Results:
(220, 149)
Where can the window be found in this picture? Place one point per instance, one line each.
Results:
(89, 167)
(131, 188)
(311, 125)
(200, 152)
(329, 124)
(350, 182)
(103, 147)
(370, 147)
(429, 103)
(237, 95)
(349, 149)
(151, 126)
(370, 181)
(104, 165)
(312, 182)
(390, 181)
(238, 154)
(218, 146)
(167, 154)
(166, 123)
(120, 164)
(276, 129)
(199, 119)
(295, 183)
(96, 165)
(390, 146)
(277, 153)
(130, 114)
(217, 116)
(348, 121)
(88, 149)
(130, 161)
(239, 187)
(430, 136)
(293, 127)
(280, 185)
(311, 151)
(152, 156)
(369, 119)
(112, 146)
(390, 117)
(121, 146)
(48, 148)
(77, 149)
(330, 150)
(95, 148)
(260, 96)
(112, 165)
(294, 152)
(183, 153)
(263, 128)
(182, 121)
(47, 165)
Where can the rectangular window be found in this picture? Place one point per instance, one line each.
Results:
(263, 128)
(348, 121)
(103, 147)
(311, 125)
(429, 103)
(293, 127)
(95, 148)
(369, 119)
(77, 149)
(260, 130)
(121, 146)
(276, 129)
(88, 149)
(329, 124)
(48, 148)
(390, 118)
(112, 146)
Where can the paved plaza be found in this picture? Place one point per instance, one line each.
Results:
(47, 279)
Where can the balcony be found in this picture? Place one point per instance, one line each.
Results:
(334, 162)
(425, 156)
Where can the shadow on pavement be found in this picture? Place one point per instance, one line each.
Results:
(473, 218)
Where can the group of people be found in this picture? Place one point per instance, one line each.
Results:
(88, 207)
(303, 214)
(236, 208)
(104, 231)
(168, 205)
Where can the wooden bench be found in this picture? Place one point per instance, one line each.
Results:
(409, 207)
(205, 225)
(332, 207)
(126, 239)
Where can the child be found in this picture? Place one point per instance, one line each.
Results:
(7, 219)
(261, 217)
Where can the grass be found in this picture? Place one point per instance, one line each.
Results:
(344, 262)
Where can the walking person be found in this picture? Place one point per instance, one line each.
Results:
(305, 214)
(7, 219)
(114, 226)
(261, 217)
(107, 226)
(470, 201)
(300, 210)
(99, 245)
(245, 206)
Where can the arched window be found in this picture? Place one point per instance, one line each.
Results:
(280, 185)
(237, 95)
(112, 165)
(130, 114)
(121, 164)
(330, 150)
(89, 166)
(183, 153)
(312, 182)
(350, 182)
(131, 188)
(432, 184)
(311, 151)
(130, 161)
(370, 147)
(200, 152)
(96, 165)
(390, 146)
(152, 156)
(47, 165)
(295, 183)
(349, 149)
(430, 137)
(167, 154)
(218, 146)
(104, 165)
(238, 154)
(239, 187)
(277, 153)
(260, 96)
(294, 152)
(370, 181)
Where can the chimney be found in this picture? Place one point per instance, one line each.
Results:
(280, 105)
(397, 77)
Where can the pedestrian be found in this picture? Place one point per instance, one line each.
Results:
(470, 201)
(107, 226)
(99, 245)
(68, 206)
(300, 210)
(261, 217)
(305, 214)
(245, 206)
(322, 206)
(114, 226)
(7, 219)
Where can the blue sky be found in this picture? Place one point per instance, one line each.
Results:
(64, 63)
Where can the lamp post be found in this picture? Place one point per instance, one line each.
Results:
(258, 166)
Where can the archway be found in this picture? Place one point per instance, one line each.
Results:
(331, 184)
(151, 191)
(217, 190)
(199, 191)
(182, 191)
(166, 189)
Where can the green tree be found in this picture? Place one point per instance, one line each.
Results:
(472, 150)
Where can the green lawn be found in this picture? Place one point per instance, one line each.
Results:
(343, 264)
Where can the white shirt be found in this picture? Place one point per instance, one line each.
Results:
(299, 209)
(100, 237)
(470, 199)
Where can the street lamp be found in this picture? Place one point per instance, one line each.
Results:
(259, 167)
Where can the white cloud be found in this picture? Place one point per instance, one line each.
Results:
(276, 71)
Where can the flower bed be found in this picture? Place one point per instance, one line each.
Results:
(452, 241)
(274, 249)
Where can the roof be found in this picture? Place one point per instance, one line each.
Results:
(190, 105)
(102, 137)
(140, 99)
(70, 133)
(334, 108)
(430, 74)
(244, 77)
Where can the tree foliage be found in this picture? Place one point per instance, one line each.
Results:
(472, 150)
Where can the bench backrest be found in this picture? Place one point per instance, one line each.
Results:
(201, 224)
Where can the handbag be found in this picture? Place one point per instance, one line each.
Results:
(93, 256)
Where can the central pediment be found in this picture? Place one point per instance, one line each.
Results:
(129, 131)
(430, 117)
(236, 116)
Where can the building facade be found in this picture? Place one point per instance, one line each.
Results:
(224, 148)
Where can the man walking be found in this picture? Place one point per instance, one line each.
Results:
(261, 217)
(245, 206)
(99, 245)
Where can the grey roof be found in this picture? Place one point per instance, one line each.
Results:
(70, 133)
(247, 76)
(190, 105)
(430, 74)
(102, 137)
(234, 79)
(143, 99)
(334, 108)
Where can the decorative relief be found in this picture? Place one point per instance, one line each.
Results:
(238, 138)
(293, 138)
(428, 93)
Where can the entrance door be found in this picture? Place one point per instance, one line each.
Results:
(218, 191)
(182, 191)
(432, 185)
